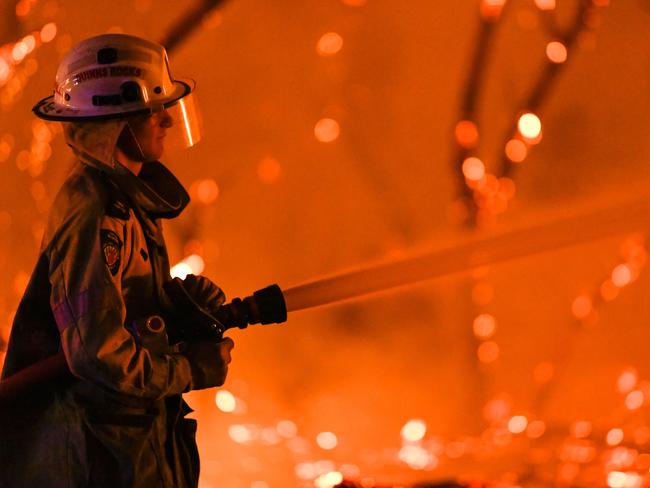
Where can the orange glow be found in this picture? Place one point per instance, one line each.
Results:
(482, 293)
(582, 306)
(488, 352)
(38, 190)
(516, 150)
(327, 130)
(622, 275)
(473, 169)
(225, 401)
(354, 3)
(581, 429)
(20, 282)
(536, 429)
(529, 126)
(627, 380)
(517, 424)
(634, 400)
(414, 430)
(614, 437)
(269, 170)
(466, 134)
(48, 32)
(544, 372)
(329, 44)
(556, 52)
(484, 326)
(643, 462)
(608, 290)
(327, 440)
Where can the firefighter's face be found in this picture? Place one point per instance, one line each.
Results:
(150, 132)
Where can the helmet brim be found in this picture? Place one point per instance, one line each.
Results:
(47, 109)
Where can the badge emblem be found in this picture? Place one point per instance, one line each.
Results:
(111, 249)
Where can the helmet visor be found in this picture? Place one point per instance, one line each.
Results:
(186, 124)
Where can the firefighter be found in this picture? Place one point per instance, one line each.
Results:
(96, 292)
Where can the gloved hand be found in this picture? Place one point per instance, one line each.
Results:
(204, 292)
(208, 362)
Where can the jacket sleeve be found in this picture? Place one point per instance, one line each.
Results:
(89, 310)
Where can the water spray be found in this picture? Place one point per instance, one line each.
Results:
(271, 304)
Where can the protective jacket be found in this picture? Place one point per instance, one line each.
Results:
(97, 281)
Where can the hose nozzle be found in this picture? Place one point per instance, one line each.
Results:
(194, 322)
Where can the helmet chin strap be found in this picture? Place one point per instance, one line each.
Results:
(129, 144)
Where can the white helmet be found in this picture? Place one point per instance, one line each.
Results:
(118, 75)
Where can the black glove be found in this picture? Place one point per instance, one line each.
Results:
(208, 362)
(204, 292)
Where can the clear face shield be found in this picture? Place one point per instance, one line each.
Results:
(186, 127)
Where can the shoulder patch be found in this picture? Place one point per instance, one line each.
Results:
(111, 250)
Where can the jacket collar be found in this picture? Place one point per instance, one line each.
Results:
(155, 190)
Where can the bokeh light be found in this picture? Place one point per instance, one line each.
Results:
(622, 275)
(225, 401)
(327, 440)
(473, 169)
(634, 400)
(327, 130)
(556, 52)
(536, 429)
(416, 457)
(180, 270)
(484, 326)
(241, 434)
(529, 126)
(627, 380)
(614, 437)
(488, 352)
(466, 134)
(582, 306)
(48, 32)
(516, 150)
(206, 191)
(287, 428)
(517, 424)
(328, 480)
(414, 430)
(329, 44)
